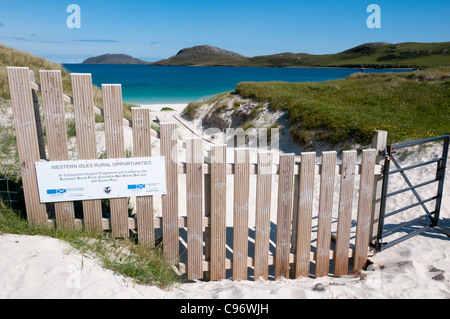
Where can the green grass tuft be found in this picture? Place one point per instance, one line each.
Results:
(139, 263)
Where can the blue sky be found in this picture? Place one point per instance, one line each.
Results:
(156, 29)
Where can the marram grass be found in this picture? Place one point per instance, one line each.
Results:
(410, 106)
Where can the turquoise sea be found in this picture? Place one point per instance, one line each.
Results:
(146, 84)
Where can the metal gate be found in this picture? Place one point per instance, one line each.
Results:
(430, 217)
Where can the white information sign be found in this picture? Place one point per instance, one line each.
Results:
(97, 179)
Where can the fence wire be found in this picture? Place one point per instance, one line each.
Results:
(9, 194)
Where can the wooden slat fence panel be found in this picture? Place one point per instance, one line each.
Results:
(284, 215)
(240, 213)
(112, 103)
(194, 181)
(27, 143)
(345, 212)
(169, 150)
(262, 223)
(218, 211)
(215, 261)
(55, 124)
(325, 213)
(83, 103)
(142, 147)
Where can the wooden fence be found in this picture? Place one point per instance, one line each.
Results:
(206, 191)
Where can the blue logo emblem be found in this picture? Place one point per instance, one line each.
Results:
(60, 191)
(136, 187)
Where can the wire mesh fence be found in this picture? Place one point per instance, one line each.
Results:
(11, 195)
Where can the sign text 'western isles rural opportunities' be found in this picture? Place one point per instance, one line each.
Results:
(98, 179)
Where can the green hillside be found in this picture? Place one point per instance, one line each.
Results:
(202, 55)
(369, 55)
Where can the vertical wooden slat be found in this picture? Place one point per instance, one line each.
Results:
(27, 143)
(240, 213)
(304, 218)
(207, 200)
(37, 116)
(284, 215)
(262, 224)
(169, 150)
(40, 131)
(294, 222)
(363, 222)
(83, 103)
(345, 212)
(218, 211)
(142, 147)
(112, 102)
(379, 142)
(194, 177)
(325, 213)
(55, 123)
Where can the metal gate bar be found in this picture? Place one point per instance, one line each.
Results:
(399, 240)
(411, 206)
(411, 188)
(414, 166)
(432, 216)
(410, 185)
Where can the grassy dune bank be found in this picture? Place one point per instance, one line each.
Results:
(409, 105)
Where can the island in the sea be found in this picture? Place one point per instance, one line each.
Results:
(114, 59)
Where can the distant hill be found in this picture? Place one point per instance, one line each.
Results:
(369, 55)
(114, 59)
(203, 55)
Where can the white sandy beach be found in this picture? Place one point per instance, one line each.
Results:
(38, 267)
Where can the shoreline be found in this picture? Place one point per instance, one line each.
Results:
(157, 107)
(293, 67)
(261, 66)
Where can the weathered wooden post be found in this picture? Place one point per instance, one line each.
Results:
(379, 141)
(37, 115)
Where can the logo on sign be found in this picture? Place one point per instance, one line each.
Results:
(107, 190)
(136, 187)
(60, 191)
